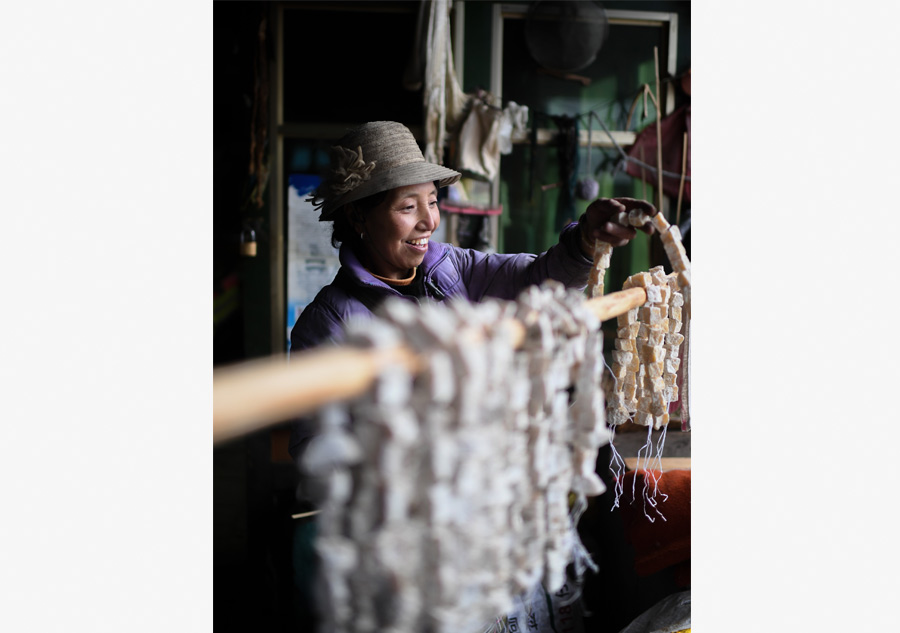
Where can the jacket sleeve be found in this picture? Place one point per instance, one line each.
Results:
(505, 276)
(318, 324)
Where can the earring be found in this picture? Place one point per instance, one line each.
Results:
(361, 235)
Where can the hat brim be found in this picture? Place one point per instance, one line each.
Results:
(400, 176)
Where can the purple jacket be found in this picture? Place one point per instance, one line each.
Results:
(448, 271)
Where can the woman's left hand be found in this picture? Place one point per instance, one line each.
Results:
(598, 222)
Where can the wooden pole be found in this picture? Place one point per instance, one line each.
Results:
(643, 182)
(681, 184)
(659, 165)
(250, 396)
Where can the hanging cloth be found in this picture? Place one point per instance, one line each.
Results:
(477, 146)
(444, 99)
(672, 129)
(485, 134)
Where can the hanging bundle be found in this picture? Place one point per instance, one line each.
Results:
(645, 365)
(646, 360)
(450, 492)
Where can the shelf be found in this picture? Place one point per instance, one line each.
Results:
(598, 138)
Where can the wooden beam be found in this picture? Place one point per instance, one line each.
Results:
(667, 463)
(257, 394)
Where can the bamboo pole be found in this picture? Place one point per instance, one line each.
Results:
(659, 165)
(251, 396)
(683, 172)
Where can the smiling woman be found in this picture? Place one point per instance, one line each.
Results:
(382, 197)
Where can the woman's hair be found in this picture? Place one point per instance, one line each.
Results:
(343, 231)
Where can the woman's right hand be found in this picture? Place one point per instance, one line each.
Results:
(599, 221)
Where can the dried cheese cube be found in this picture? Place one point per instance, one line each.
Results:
(618, 370)
(674, 340)
(655, 370)
(602, 248)
(653, 294)
(650, 315)
(616, 399)
(672, 365)
(652, 353)
(644, 418)
(660, 223)
(602, 260)
(658, 274)
(656, 337)
(676, 313)
(628, 318)
(635, 363)
(622, 356)
(617, 416)
(636, 217)
(672, 235)
(665, 293)
(672, 280)
(677, 256)
(654, 384)
(626, 344)
(641, 280)
(661, 421)
(684, 277)
(677, 299)
(674, 326)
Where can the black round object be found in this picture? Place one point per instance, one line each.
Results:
(563, 35)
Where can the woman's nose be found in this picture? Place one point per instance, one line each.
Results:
(429, 217)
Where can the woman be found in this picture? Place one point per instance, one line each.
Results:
(381, 196)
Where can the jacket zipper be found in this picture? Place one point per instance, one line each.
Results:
(434, 290)
(430, 285)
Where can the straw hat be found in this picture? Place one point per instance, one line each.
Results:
(372, 158)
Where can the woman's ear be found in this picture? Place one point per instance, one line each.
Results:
(355, 217)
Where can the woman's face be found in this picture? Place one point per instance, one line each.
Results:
(397, 231)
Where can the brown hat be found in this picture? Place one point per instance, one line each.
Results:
(372, 158)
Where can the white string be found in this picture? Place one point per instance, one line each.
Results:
(617, 466)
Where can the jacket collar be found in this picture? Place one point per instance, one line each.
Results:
(350, 261)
